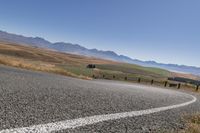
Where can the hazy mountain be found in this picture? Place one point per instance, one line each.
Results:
(77, 49)
(36, 41)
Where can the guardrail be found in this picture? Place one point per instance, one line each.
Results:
(166, 83)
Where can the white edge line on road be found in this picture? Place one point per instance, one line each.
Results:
(80, 122)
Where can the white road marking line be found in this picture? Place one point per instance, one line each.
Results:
(80, 122)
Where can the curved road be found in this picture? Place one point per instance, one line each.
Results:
(42, 102)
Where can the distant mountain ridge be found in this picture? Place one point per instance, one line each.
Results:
(80, 50)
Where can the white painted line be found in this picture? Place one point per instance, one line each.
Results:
(80, 122)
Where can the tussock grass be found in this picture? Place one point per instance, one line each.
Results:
(37, 66)
(193, 124)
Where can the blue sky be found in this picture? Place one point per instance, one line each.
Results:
(166, 31)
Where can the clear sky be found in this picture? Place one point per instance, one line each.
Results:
(166, 31)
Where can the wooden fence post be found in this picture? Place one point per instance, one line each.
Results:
(165, 84)
(179, 85)
(197, 88)
(139, 80)
(151, 81)
(125, 78)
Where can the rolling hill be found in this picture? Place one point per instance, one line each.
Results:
(41, 59)
(80, 50)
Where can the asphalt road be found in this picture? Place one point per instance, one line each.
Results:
(34, 98)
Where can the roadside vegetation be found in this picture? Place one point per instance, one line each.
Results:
(193, 124)
(71, 65)
(39, 59)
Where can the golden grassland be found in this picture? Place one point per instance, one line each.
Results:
(39, 59)
(69, 64)
(44, 60)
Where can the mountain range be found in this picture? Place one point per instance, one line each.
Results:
(80, 50)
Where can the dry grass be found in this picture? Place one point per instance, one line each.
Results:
(38, 66)
(39, 54)
(185, 75)
(66, 64)
(74, 65)
(193, 124)
(44, 60)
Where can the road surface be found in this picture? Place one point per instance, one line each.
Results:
(42, 102)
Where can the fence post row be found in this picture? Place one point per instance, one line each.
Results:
(152, 81)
